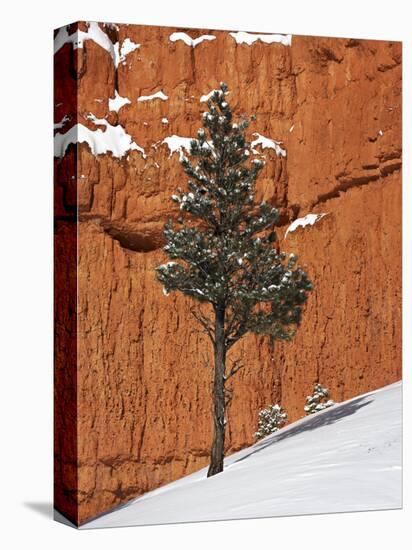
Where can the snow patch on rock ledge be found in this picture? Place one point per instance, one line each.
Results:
(59, 125)
(128, 46)
(177, 144)
(206, 97)
(118, 102)
(188, 40)
(97, 35)
(157, 95)
(267, 143)
(309, 219)
(346, 458)
(113, 139)
(242, 37)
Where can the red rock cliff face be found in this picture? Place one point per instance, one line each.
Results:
(143, 392)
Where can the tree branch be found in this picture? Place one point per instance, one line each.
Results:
(240, 331)
(236, 366)
(228, 397)
(208, 329)
(206, 362)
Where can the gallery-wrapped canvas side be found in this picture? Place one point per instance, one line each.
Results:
(65, 283)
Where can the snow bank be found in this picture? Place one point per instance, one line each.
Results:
(345, 458)
(177, 144)
(63, 37)
(157, 95)
(113, 139)
(128, 46)
(95, 32)
(309, 219)
(249, 38)
(59, 125)
(206, 97)
(267, 143)
(118, 102)
(188, 40)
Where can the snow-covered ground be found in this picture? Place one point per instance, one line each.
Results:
(346, 458)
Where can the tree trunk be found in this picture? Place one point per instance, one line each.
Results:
(218, 446)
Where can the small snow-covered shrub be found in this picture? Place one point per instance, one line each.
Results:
(270, 420)
(318, 401)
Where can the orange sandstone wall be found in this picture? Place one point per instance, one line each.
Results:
(143, 386)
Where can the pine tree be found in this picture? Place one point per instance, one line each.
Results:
(271, 420)
(318, 401)
(228, 259)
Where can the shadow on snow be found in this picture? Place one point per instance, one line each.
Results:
(318, 420)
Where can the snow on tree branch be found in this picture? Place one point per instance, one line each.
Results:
(271, 420)
(225, 243)
(318, 401)
(224, 250)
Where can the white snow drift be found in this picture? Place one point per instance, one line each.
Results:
(206, 97)
(242, 37)
(62, 123)
(157, 95)
(128, 46)
(309, 219)
(188, 40)
(267, 143)
(118, 102)
(96, 34)
(177, 144)
(113, 139)
(345, 458)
